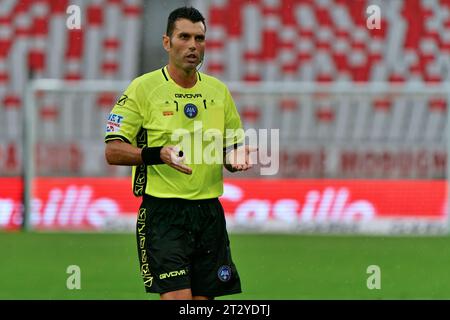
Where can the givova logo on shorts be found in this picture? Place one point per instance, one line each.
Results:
(172, 274)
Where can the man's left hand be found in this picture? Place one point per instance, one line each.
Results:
(239, 159)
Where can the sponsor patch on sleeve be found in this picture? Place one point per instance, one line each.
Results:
(114, 122)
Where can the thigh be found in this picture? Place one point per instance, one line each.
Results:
(213, 271)
(163, 246)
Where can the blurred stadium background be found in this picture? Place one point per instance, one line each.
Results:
(363, 124)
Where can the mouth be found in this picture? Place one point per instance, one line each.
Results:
(191, 57)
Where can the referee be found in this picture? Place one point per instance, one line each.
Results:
(183, 246)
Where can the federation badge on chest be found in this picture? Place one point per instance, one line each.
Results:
(190, 110)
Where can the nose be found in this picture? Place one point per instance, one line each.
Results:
(192, 45)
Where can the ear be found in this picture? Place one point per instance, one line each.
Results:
(166, 43)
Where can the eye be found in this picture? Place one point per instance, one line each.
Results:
(200, 38)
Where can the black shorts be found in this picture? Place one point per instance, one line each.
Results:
(184, 244)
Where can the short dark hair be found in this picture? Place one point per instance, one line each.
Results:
(189, 13)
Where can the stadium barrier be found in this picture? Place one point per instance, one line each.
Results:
(330, 119)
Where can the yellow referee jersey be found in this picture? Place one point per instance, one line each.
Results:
(202, 120)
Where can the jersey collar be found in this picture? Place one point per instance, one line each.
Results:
(166, 75)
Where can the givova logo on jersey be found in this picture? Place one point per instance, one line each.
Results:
(114, 122)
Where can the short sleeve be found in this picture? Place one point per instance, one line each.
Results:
(125, 119)
(234, 134)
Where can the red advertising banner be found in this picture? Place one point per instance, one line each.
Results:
(10, 202)
(108, 203)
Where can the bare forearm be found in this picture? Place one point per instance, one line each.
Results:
(121, 153)
(228, 166)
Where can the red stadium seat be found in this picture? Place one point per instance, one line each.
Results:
(106, 100)
(49, 113)
(382, 104)
(283, 46)
(439, 105)
(12, 101)
(325, 114)
(251, 114)
(287, 105)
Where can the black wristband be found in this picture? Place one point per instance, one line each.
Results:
(232, 147)
(151, 155)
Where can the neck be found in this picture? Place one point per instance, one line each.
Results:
(185, 79)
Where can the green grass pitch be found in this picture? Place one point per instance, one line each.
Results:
(291, 267)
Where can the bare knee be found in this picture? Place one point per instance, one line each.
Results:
(183, 294)
(202, 298)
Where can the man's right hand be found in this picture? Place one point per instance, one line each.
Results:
(170, 155)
